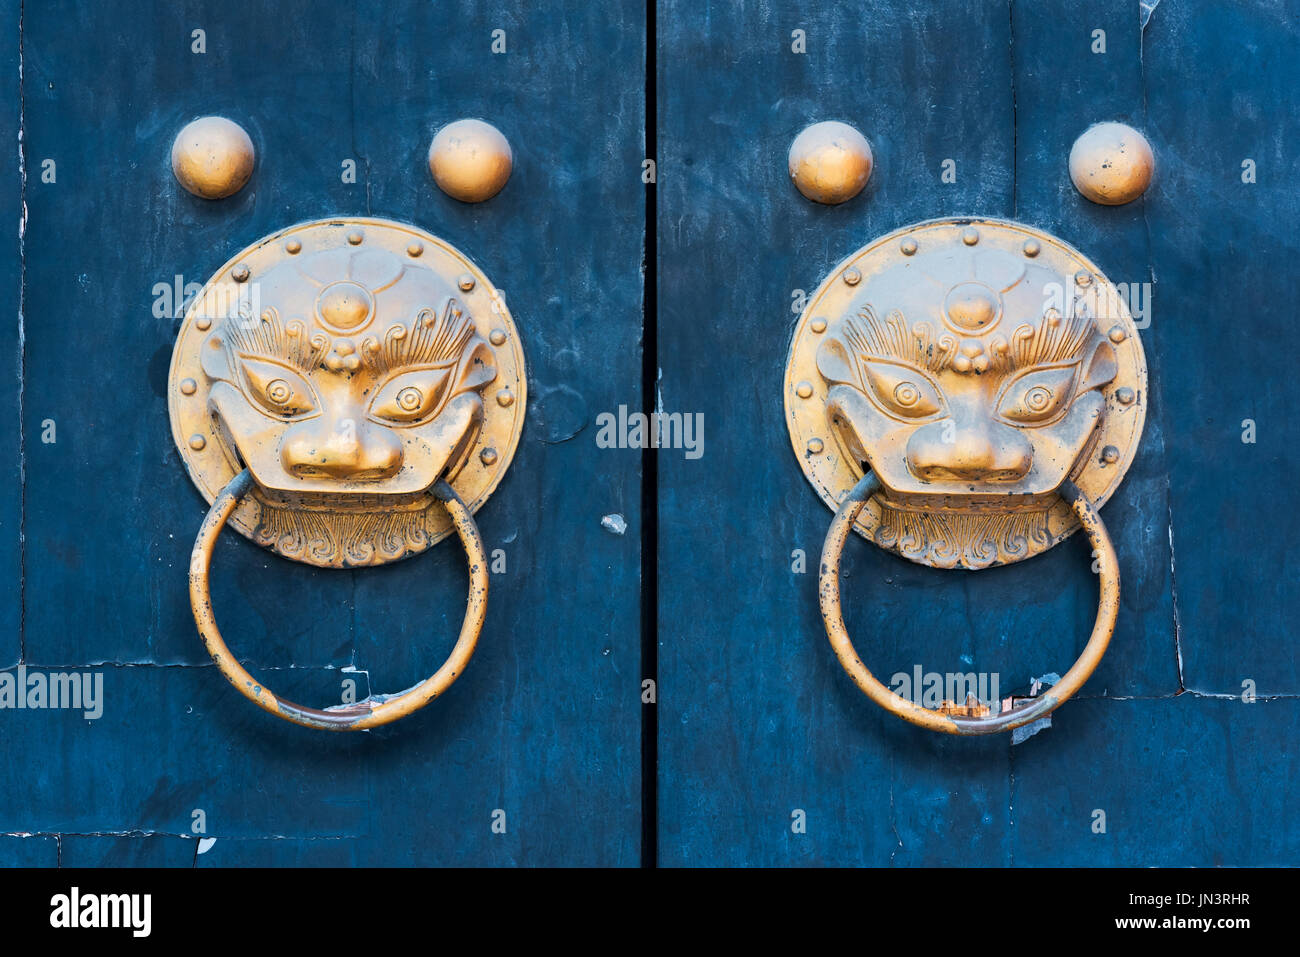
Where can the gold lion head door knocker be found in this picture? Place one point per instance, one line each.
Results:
(346, 392)
(966, 393)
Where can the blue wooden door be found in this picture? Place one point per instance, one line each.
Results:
(533, 757)
(1180, 749)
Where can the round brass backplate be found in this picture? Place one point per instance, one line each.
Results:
(975, 364)
(349, 364)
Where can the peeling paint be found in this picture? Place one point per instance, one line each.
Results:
(1145, 9)
(1173, 593)
(1036, 686)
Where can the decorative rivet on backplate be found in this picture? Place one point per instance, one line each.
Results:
(1083, 278)
(1110, 455)
(1031, 248)
(505, 398)
(355, 238)
(1117, 334)
(815, 446)
(188, 386)
(818, 325)
(293, 247)
(497, 337)
(240, 273)
(1125, 395)
(970, 235)
(414, 250)
(803, 390)
(908, 246)
(203, 323)
(488, 456)
(466, 282)
(197, 442)
(852, 276)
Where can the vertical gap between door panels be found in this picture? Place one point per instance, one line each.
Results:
(649, 483)
(22, 344)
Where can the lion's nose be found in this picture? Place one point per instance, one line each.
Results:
(341, 449)
(987, 452)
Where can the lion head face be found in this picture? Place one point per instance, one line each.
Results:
(976, 392)
(368, 386)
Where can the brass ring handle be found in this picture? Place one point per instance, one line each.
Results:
(833, 617)
(371, 712)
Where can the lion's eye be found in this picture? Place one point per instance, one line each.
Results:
(277, 388)
(1038, 395)
(902, 390)
(410, 397)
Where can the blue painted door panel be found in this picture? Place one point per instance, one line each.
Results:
(757, 720)
(545, 723)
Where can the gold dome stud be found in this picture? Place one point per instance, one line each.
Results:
(830, 162)
(470, 160)
(212, 157)
(1111, 164)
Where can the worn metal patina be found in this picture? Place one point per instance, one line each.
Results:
(470, 160)
(1111, 164)
(830, 162)
(329, 394)
(966, 392)
(213, 157)
(974, 365)
(349, 364)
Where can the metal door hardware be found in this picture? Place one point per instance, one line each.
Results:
(966, 393)
(212, 157)
(470, 160)
(830, 162)
(1111, 164)
(346, 392)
